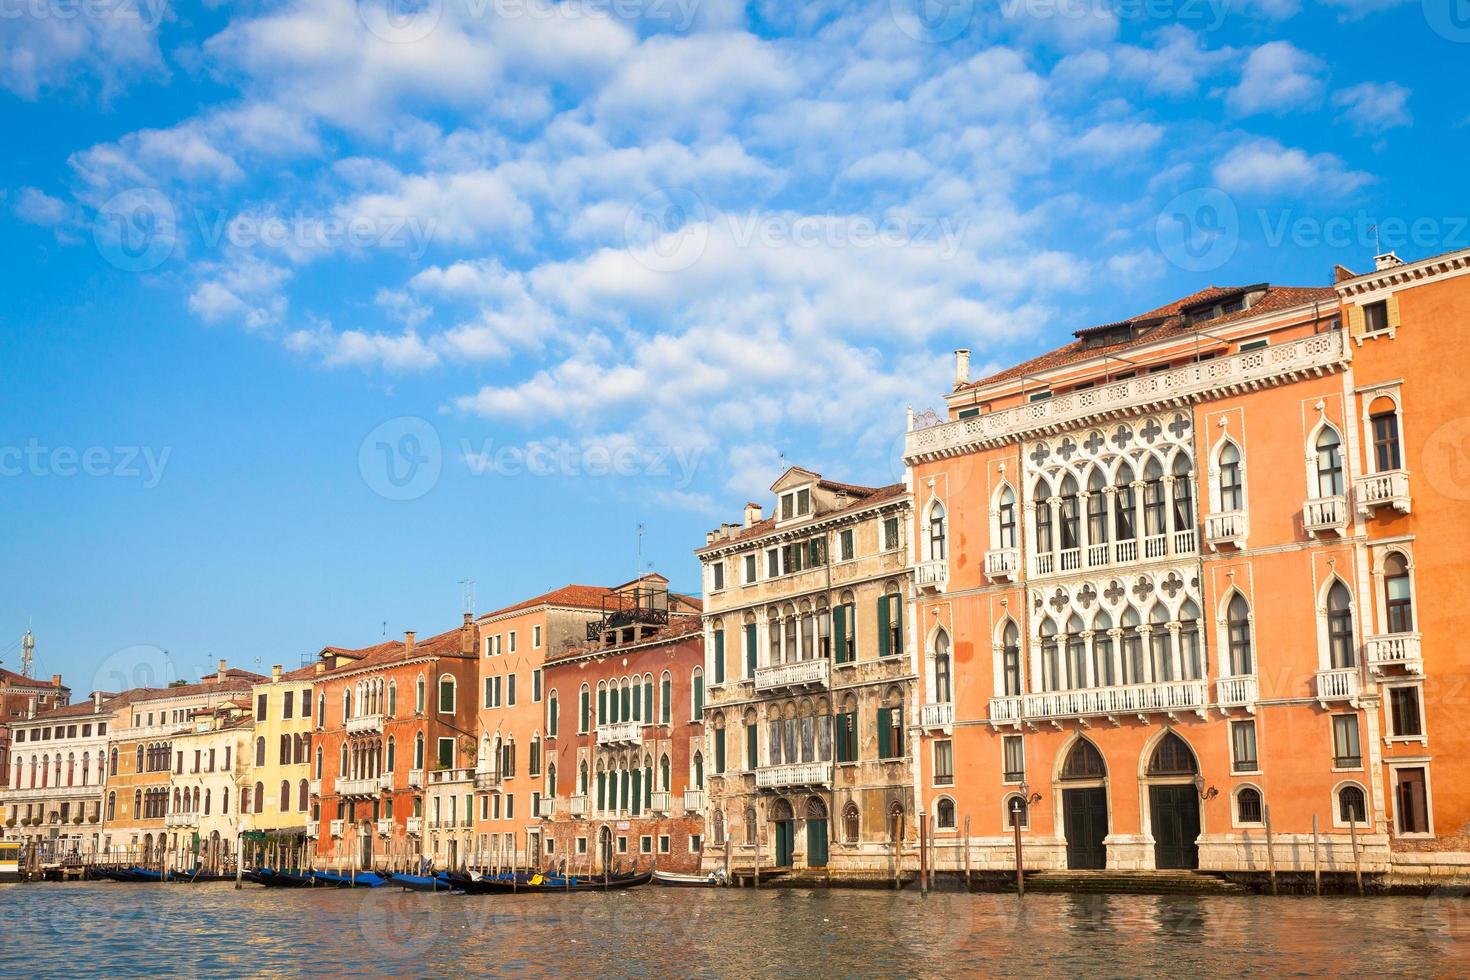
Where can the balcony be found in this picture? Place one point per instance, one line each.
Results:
(798, 774)
(1237, 692)
(578, 806)
(385, 827)
(936, 715)
(1227, 528)
(620, 733)
(314, 787)
(1395, 650)
(1002, 564)
(487, 780)
(1340, 684)
(545, 809)
(336, 828)
(313, 828)
(414, 826)
(660, 801)
(1325, 515)
(1005, 711)
(369, 786)
(694, 798)
(1167, 698)
(797, 673)
(385, 782)
(181, 820)
(1387, 489)
(932, 576)
(365, 724)
(416, 779)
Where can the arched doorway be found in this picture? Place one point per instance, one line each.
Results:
(1173, 803)
(605, 847)
(782, 819)
(816, 833)
(365, 846)
(1084, 778)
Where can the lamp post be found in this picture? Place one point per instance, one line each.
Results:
(1205, 795)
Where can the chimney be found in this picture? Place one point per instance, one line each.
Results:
(1387, 260)
(752, 514)
(467, 636)
(55, 680)
(961, 367)
(709, 536)
(321, 666)
(96, 702)
(1341, 273)
(275, 673)
(220, 676)
(408, 641)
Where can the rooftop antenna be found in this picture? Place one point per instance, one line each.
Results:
(27, 652)
(1377, 239)
(638, 563)
(385, 629)
(467, 594)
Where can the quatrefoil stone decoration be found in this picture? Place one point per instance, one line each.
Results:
(1094, 443)
(1040, 454)
(1179, 426)
(1059, 600)
(1143, 589)
(1086, 596)
(1151, 430)
(1121, 436)
(1173, 584)
(1113, 592)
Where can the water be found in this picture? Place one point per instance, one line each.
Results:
(108, 929)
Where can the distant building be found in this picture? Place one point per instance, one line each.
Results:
(277, 764)
(21, 697)
(208, 786)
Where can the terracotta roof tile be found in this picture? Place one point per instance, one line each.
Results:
(580, 596)
(11, 679)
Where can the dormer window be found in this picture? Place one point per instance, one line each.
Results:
(797, 503)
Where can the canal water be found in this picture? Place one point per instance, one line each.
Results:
(113, 930)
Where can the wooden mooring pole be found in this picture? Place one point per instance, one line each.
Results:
(1270, 850)
(1357, 862)
(967, 853)
(1316, 858)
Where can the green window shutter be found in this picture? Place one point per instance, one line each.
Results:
(637, 791)
(698, 695)
(898, 624)
(648, 701)
(885, 747)
(586, 710)
(648, 787)
(814, 552)
(719, 656)
(602, 707)
(839, 633)
(626, 709)
(750, 650)
(883, 650)
(553, 721)
(719, 750)
(602, 791)
(751, 758)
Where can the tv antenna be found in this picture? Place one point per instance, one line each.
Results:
(467, 594)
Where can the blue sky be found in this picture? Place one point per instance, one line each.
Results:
(317, 308)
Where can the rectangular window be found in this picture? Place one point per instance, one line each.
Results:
(1013, 758)
(645, 844)
(944, 763)
(510, 806)
(846, 736)
(1243, 746)
(845, 544)
(260, 701)
(1411, 800)
(788, 506)
(663, 843)
(749, 569)
(890, 533)
(535, 637)
(536, 686)
(581, 845)
(446, 753)
(719, 736)
(622, 845)
(1404, 712)
(719, 657)
(717, 573)
(890, 733)
(512, 641)
(1385, 441)
(1375, 316)
(696, 843)
(1346, 751)
(803, 501)
(773, 564)
(510, 690)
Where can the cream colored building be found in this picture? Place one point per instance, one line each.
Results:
(279, 760)
(207, 786)
(809, 680)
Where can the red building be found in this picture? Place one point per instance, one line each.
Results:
(625, 774)
(21, 697)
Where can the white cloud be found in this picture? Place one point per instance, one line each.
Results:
(1278, 77)
(102, 47)
(39, 208)
(1266, 167)
(1373, 107)
(358, 348)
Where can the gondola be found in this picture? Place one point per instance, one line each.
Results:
(541, 884)
(422, 883)
(361, 879)
(671, 879)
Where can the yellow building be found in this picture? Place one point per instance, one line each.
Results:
(278, 783)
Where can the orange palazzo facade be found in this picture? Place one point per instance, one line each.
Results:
(1171, 584)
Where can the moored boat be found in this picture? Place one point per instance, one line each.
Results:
(422, 883)
(360, 879)
(545, 884)
(672, 879)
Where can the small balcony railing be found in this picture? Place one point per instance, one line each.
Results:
(181, 820)
(369, 786)
(314, 787)
(364, 724)
(577, 806)
(1325, 515)
(1229, 527)
(1339, 684)
(1387, 489)
(336, 827)
(932, 576)
(798, 774)
(938, 715)
(1002, 564)
(797, 673)
(416, 779)
(385, 827)
(660, 801)
(1126, 699)
(414, 826)
(1237, 692)
(1005, 710)
(313, 828)
(694, 799)
(546, 808)
(620, 733)
(487, 780)
(1395, 650)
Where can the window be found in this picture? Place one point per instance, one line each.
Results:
(1243, 746)
(446, 753)
(749, 569)
(1183, 494)
(1375, 316)
(536, 686)
(288, 707)
(512, 637)
(890, 732)
(1238, 636)
(446, 695)
(1232, 487)
(1043, 524)
(845, 545)
(773, 563)
(1346, 753)
(1404, 718)
(1340, 627)
(1352, 807)
(696, 684)
(846, 736)
(419, 695)
(492, 692)
(944, 818)
(890, 625)
(665, 697)
(1011, 660)
(1006, 519)
(1084, 762)
(1018, 811)
(943, 685)
(890, 533)
(1173, 757)
(1329, 463)
(260, 703)
(944, 763)
(719, 655)
(1248, 805)
(510, 690)
(1385, 426)
(936, 532)
(1411, 800)
(553, 715)
(535, 637)
(1013, 758)
(1398, 602)
(717, 572)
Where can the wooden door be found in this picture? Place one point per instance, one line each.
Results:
(1085, 817)
(1174, 813)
